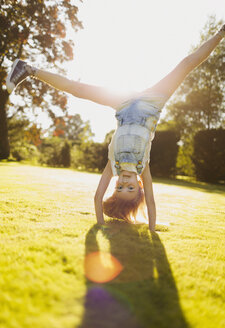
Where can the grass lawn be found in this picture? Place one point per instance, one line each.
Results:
(49, 237)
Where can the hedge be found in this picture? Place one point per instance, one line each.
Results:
(209, 155)
(163, 154)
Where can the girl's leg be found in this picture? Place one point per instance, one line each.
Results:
(21, 70)
(80, 90)
(171, 82)
(56, 81)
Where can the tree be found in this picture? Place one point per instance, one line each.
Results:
(108, 137)
(73, 128)
(34, 30)
(94, 156)
(199, 102)
(90, 155)
(24, 138)
(65, 155)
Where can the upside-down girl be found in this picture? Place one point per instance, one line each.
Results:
(137, 115)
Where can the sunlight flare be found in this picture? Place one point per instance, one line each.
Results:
(101, 267)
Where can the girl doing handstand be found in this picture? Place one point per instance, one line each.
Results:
(137, 115)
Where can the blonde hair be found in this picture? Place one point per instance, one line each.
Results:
(123, 209)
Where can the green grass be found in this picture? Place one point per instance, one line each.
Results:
(174, 278)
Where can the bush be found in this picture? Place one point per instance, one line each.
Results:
(55, 152)
(209, 155)
(21, 151)
(91, 156)
(164, 153)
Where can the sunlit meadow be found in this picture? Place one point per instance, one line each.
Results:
(59, 269)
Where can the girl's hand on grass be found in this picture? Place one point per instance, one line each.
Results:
(101, 222)
(151, 228)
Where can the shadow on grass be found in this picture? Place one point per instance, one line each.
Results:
(205, 187)
(144, 294)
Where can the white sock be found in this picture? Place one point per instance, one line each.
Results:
(31, 70)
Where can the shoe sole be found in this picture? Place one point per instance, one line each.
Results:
(9, 85)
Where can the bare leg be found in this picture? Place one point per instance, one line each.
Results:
(171, 82)
(55, 80)
(94, 93)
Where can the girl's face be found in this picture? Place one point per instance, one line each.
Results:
(127, 185)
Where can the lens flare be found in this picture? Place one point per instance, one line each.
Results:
(101, 267)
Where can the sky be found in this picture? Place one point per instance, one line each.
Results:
(130, 45)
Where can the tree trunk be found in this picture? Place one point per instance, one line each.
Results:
(4, 141)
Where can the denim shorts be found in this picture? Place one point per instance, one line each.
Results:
(137, 112)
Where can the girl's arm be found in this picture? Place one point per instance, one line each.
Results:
(149, 197)
(171, 82)
(103, 185)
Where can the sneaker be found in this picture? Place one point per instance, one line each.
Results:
(17, 74)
